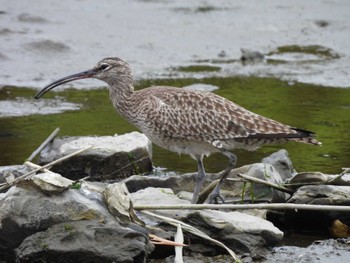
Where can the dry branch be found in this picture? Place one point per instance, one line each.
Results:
(43, 167)
(281, 206)
(260, 181)
(49, 139)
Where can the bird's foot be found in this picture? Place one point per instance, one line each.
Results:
(214, 198)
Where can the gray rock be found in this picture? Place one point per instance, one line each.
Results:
(85, 241)
(231, 190)
(256, 191)
(15, 170)
(241, 232)
(251, 57)
(282, 163)
(27, 211)
(322, 195)
(318, 221)
(317, 178)
(113, 157)
(176, 182)
(325, 251)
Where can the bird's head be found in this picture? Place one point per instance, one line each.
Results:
(111, 70)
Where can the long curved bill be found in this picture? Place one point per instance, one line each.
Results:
(81, 75)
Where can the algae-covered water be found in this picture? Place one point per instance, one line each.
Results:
(325, 111)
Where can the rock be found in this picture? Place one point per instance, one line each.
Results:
(282, 163)
(197, 258)
(231, 190)
(50, 182)
(251, 56)
(27, 211)
(85, 241)
(312, 178)
(317, 221)
(15, 170)
(338, 229)
(331, 250)
(118, 201)
(240, 232)
(322, 195)
(260, 192)
(307, 178)
(113, 157)
(176, 182)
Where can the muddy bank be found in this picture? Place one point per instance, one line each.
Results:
(41, 42)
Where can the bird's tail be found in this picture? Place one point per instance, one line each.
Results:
(306, 137)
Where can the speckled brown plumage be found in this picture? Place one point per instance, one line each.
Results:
(190, 122)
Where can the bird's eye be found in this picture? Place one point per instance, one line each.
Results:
(103, 66)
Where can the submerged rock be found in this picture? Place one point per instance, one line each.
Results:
(325, 251)
(251, 56)
(111, 158)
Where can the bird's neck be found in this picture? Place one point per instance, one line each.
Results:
(120, 94)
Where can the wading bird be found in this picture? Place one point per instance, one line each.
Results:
(187, 122)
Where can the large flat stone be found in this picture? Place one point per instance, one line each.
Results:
(239, 231)
(112, 158)
(85, 241)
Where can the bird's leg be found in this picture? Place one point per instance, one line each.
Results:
(215, 194)
(199, 180)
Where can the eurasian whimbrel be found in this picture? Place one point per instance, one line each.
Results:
(190, 122)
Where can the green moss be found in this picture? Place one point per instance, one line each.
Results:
(198, 68)
(76, 185)
(310, 49)
(68, 227)
(205, 9)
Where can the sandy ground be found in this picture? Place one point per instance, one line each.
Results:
(43, 40)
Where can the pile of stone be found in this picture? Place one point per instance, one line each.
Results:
(56, 216)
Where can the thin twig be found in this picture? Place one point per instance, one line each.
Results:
(260, 181)
(346, 170)
(281, 206)
(49, 139)
(45, 166)
(35, 166)
(192, 230)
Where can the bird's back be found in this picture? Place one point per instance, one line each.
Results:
(173, 113)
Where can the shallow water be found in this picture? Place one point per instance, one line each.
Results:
(325, 111)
